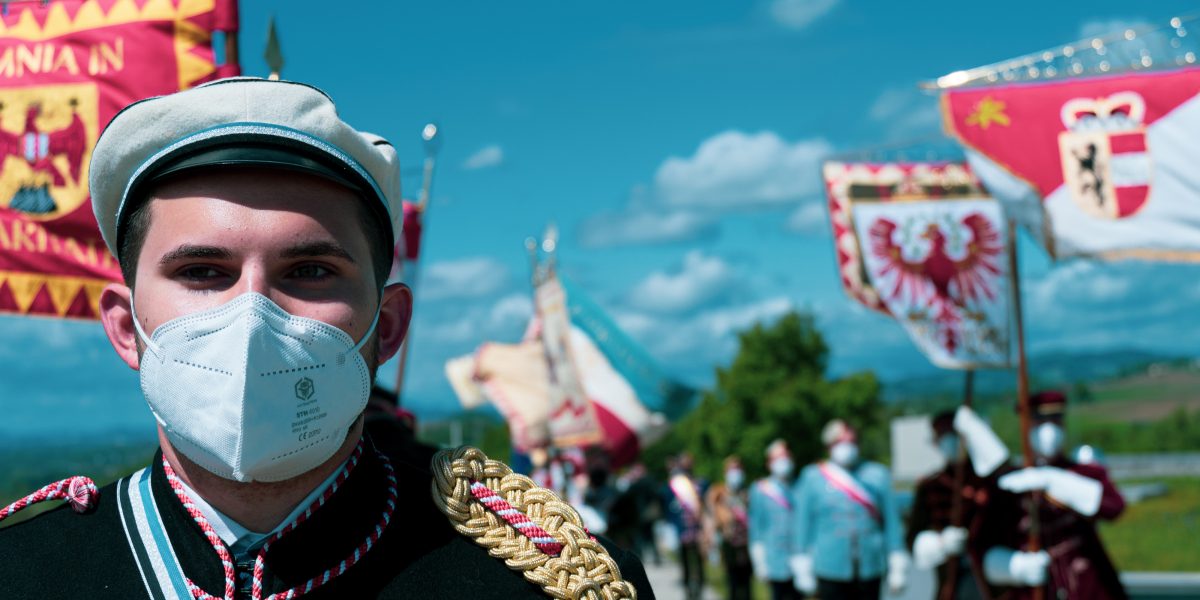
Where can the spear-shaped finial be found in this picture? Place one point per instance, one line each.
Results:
(273, 54)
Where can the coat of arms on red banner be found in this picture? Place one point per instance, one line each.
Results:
(66, 67)
(1105, 163)
(46, 138)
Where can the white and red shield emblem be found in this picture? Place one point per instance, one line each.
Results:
(1105, 163)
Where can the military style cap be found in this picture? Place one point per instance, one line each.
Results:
(778, 449)
(1048, 404)
(837, 431)
(942, 423)
(241, 121)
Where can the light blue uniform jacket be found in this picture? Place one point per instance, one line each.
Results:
(843, 538)
(770, 524)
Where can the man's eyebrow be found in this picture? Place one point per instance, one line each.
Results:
(316, 250)
(194, 252)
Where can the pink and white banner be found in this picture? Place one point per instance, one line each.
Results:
(572, 417)
(1096, 166)
(518, 379)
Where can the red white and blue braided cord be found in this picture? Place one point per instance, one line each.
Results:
(311, 584)
(541, 539)
(80, 492)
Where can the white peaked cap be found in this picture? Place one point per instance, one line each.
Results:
(241, 121)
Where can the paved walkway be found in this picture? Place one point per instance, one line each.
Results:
(665, 579)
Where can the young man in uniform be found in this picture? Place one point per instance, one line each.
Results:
(726, 504)
(771, 522)
(950, 506)
(684, 500)
(846, 531)
(1070, 562)
(254, 229)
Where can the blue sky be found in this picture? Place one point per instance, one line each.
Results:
(675, 144)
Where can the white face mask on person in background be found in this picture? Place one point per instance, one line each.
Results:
(780, 468)
(844, 454)
(734, 478)
(252, 393)
(948, 447)
(1046, 439)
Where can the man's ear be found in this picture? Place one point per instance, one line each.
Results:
(394, 316)
(116, 314)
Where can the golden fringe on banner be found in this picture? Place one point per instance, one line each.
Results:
(24, 288)
(91, 16)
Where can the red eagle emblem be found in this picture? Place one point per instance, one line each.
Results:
(943, 284)
(39, 149)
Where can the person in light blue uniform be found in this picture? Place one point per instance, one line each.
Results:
(770, 522)
(846, 530)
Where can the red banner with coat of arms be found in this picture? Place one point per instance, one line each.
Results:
(925, 244)
(66, 68)
(1097, 166)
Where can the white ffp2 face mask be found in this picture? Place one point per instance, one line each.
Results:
(844, 454)
(734, 478)
(948, 447)
(1047, 439)
(780, 468)
(252, 393)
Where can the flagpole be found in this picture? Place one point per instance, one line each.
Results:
(956, 501)
(433, 143)
(1035, 542)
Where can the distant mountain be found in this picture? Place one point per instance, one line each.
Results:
(1049, 369)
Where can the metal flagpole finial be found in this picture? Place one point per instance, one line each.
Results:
(273, 53)
(550, 239)
(432, 136)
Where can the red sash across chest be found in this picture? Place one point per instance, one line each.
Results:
(774, 491)
(846, 484)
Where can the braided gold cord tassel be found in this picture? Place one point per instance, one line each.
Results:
(583, 570)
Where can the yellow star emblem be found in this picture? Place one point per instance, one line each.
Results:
(988, 111)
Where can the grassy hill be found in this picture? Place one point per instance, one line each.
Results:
(1054, 369)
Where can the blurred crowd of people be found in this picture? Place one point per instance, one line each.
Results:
(835, 529)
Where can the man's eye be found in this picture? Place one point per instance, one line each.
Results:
(310, 272)
(199, 273)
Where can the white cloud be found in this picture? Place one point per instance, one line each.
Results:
(455, 331)
(1069, 286)
(734, 169)
(702, 279)
(638, 226)
(488, 156)
(798, 14)
(904, 111)
(463, 278)
(728, 321)
(513, 309)
(810, 217)
(696, 342)
(1100, 27)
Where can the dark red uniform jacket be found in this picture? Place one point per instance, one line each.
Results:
(932, 510)
(1079, 567)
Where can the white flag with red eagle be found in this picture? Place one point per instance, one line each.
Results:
(931, 251)
(1092, 166)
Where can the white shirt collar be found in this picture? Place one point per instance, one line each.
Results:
(233, 533)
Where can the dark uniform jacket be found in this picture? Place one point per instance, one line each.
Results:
(932, 509)
(61, 554)
(1079, 567)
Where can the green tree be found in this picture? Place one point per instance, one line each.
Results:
(776, 387)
